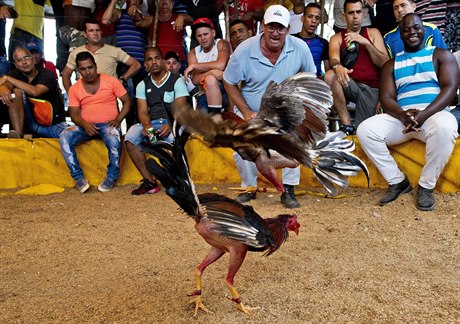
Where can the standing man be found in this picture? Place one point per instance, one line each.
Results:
(393, 41)
(272, 55)
(155, 96)
(44, 113)
(106, 56)
(357, 81)
(206, 64)
(319, 47)
(93, 108)
(417, 86)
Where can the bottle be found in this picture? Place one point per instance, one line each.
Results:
(152, 137)
(351, 46)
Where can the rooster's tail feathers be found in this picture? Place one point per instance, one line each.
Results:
(171, 169)
(333, 162)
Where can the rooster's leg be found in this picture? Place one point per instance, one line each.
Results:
(237, 256)
(213, 255)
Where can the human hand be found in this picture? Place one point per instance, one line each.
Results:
(187, 72)
(249, 115)
(410, 120)
(114, 123)
(356, 37)
(91, 129)
(342, 75)
(164, 131)
(4, 12)
(178, 24)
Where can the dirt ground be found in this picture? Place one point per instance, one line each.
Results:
(112, 257)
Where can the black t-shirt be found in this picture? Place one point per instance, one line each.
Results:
(53, 95)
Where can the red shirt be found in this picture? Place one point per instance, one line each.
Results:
(168, 39)
(247, 6)
(364, 71)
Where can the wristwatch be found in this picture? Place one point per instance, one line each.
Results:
(336, 66)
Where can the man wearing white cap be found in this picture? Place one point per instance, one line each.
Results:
(272, 55)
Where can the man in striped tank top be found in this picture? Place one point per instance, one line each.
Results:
(416, 87)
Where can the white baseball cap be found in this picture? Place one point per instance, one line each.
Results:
(277, 14)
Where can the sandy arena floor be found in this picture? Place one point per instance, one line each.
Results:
(106, 258)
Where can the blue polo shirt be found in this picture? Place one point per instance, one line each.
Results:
(249, 66)
(394, 44)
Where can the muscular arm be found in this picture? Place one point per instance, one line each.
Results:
(111, 14)
(29, 89)
(234, 94)
(143, 114)
(388, 92)
(134, 67)
(126, 106)
(66, 74)
(223, 48)
(377, 50)
(448, 76)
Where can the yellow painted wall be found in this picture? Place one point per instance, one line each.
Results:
(29, 163)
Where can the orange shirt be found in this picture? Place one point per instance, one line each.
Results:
(100, 107)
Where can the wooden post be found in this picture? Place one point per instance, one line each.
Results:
(227, 20)
(155, 23)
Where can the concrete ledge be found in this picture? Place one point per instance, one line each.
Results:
(29, 163)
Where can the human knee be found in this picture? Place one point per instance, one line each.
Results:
(329, 77)
(211, 81)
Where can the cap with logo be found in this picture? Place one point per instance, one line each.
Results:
(202, 22)
(33, 47)
(277, 14)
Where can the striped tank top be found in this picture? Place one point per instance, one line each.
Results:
(415, 77)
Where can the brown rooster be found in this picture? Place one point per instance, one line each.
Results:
(224, 223)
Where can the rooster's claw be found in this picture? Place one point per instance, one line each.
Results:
(199, 305)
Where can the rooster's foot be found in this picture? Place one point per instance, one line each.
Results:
(199, 305)
(246, 309)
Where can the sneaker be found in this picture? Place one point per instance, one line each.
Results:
(425, 199)
(13, 134)
(146, 187)
(347, 129)
(82, 185)
(394, 191)
(245, 197)
(106, 185)
(288, 198)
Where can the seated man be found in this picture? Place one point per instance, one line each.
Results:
(392, 39)
(44, 113)
(417, 86)
(155, 95)
(94, 110)
(358, 81)
(206, 66)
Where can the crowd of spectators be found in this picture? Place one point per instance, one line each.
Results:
(141, 45)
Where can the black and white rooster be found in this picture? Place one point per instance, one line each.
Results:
(290, 129)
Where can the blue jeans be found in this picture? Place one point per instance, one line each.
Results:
(202, 101)
(136, 137)
(32, 126)
(74, 135)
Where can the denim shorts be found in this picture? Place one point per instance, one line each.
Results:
(135, 133)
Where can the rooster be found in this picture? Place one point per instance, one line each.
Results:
(290, 128)
(224, 223)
